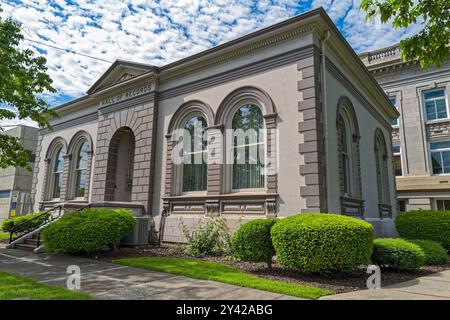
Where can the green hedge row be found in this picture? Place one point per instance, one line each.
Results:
(328, 242)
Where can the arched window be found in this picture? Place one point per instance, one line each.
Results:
(58, 169)
(345, 156)
(248, 148)
(194, 150)
(381, 166)
(349, 159)
(81, 168)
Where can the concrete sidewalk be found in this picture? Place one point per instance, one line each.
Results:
(432, 287)
(110, 281)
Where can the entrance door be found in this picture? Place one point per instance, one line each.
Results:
(119, 175)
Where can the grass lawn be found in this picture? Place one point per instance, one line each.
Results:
(208, 270)
(13, 286)
(4, 235)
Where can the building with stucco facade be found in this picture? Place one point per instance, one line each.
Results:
(421, 135)
(298, 79)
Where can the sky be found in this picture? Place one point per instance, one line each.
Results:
(161, 31)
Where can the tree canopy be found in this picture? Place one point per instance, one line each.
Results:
(431, 45)
(23, 80)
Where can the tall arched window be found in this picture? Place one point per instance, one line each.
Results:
(58, 169)
(381, 166)
(349, 159)
(194, 150)
(248, 148)
(81, 167)
(345, 157)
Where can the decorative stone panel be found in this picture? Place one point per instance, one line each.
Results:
(311, 127)
(438, 130)
(36, 169)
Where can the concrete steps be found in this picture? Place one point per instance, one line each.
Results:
(29, 244)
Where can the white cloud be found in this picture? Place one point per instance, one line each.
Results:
(161, 32)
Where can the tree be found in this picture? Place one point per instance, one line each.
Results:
(431, 45)
(23, 80)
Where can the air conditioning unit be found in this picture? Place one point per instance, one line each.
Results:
(139, 234)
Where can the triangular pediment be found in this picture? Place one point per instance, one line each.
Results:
(119, 71)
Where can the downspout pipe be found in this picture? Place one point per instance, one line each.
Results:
(325, 37)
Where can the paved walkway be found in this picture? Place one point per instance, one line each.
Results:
(432, 287)
(111, 281)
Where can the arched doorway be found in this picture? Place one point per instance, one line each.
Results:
(119, 173)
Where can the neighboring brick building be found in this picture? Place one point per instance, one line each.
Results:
(116, 145)
(15, 183)
(421, 136)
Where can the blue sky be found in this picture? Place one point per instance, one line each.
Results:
(161, 31)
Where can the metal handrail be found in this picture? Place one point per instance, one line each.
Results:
(50, 218)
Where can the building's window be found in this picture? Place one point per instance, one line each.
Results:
(440, 157)
(397, 160)
(248, 148)
(435, 104)
(81, 170)
(194, 150)
(5, 194)
(345, 157)
(58, 169)
(381, 158)
(393, 101)
(443, 204)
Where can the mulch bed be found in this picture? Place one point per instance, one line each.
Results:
(339, 282)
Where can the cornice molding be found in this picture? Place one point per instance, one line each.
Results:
(195, 66)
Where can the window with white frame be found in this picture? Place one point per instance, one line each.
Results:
(443, 204)
(194, 149)
(440, 157)
(81, 167)
(58, 168)
(435, 102)
(248, 148)
(397, 153)
(393, 101)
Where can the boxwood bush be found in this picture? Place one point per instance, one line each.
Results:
(252, 241)
(25, 222)
(426, 225)
(434, 252)
(398, 253)
(322, 242)
(88, 230)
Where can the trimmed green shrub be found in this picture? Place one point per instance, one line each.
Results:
(322, 242)
(210, 238)
(434, 252)
(24, 221)
(425, 225)
(252, 241)
(397, 253)
(88, 230)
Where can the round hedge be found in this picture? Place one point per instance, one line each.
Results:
(397, 253)
(252, 241)
(322, 242)
(88, 230)
(434, 252)
(425, 225)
